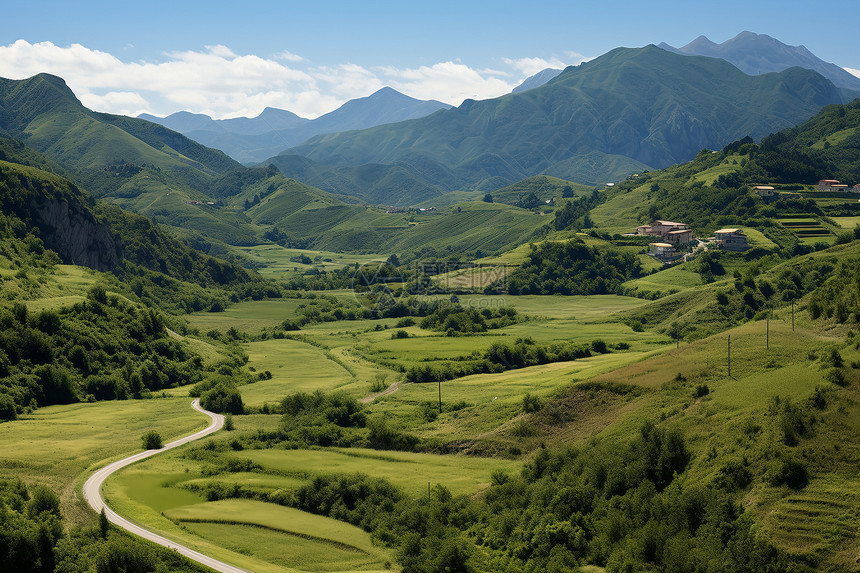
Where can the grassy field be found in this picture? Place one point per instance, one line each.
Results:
(623, 213)
(59, 446)
(252, 535)
(847, 222)
(673, 279)
(411, 472)
(295, 367)
(280, 262)
(248, 316)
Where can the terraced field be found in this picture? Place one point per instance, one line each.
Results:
(808, 229)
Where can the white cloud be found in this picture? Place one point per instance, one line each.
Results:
(347, 79)
(574, 59)
(123, 103)
(218, 82)
(853, 72)
(446, 81)
(288, 56)
(531, 66)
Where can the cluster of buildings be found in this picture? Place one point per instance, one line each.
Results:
(674, 234)
(837, 186)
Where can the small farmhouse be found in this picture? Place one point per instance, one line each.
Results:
(663, 252)
(832, 185)
(731, 239)
(670, 231)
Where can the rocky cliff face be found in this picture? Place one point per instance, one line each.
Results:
(75, 235)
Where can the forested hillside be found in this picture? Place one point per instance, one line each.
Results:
(647, 105)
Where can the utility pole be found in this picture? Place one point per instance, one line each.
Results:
(440, 395)
(730, 356)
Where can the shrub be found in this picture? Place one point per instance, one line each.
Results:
(836, 376)
(701, 391)
(531, 403)
(599, 346)
(224, 399)
(7, 408)
(151, 440)
(790, 472)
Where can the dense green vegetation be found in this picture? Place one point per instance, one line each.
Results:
(101, 349)
(571, 267)
(33, 539)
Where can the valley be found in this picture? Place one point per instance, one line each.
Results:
(510, 335)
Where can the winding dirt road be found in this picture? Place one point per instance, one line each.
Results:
(92, 493)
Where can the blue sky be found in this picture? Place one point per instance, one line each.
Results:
(234, 58)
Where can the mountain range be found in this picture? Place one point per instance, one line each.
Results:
(251, 140)
(626, 111)
(757, 54)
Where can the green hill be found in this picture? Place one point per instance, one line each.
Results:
(544, 188)
(43, 112)
(137, 164)
(648, 105)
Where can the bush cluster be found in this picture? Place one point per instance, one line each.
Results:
(100, 349)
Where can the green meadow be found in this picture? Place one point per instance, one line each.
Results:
(277, 261)
(59, 446)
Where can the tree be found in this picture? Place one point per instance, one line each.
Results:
(7, 408)
(223, 399)
(488, 198)
(151, 440)
(567, 192)
(104, 524)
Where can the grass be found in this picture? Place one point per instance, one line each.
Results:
(492, 401)
(282, 535)
(247, 316)
(59, 446)
(624, 212)
(409, 471)
(757, 239)
(557, 306)
(277, 261)
(295, 367)
(847, 222)
(673, 279)
(142, 493)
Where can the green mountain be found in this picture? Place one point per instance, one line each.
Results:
(134, 163)
(647, 105)
(44, 113)
(51, 210)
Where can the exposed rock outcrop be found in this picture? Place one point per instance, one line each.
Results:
(76, 235)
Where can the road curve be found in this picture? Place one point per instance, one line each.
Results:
(93, 486)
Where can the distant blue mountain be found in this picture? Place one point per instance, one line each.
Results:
(757, 54)
(251, 140)
(271, 119)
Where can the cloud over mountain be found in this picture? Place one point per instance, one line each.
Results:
(220, 83)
